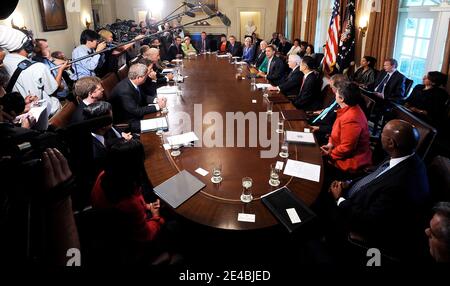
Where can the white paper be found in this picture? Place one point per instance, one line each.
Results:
(303, 137)
(36, 111)
(177, 61)
(167, 146)
(254, 101)
(307, 130)
(240, 63)
(153, 124)
(167, 90)
(263, 85)
(167, 70)
(293, 215)
(223, 56)
(279, 165)
(182, 138)
(246, 217)
(302, 170)
(202, 172)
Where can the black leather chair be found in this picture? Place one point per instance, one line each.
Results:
(109, 81)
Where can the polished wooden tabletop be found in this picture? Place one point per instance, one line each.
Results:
(211, 85)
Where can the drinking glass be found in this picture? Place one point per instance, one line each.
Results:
(217, 173)
(247, 196)
(284, 150)
(265, 92)
(175, 150)
(269, 107)
(280, 128)
(253, 81)
(274, 180)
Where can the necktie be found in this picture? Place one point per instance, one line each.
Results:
(203, 45)
(380, 87)
(367, 180)
(324, 112)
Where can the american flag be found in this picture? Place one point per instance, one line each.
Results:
(334, 30)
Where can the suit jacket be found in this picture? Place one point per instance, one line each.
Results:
(248, 54)
(259, 58)
(275, 73)
(77, 115)
(350, 138)
(291, 85)
(284, 49)
(174, 50)
(388, 211)
(208, 46)
(129, 106)
(395, 87)
(309, 96)
(236, 50)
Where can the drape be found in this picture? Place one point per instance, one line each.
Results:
(281, 19)
(311, 20)
(381, 32)
(297, 21)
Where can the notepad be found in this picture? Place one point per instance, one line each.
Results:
(182, 138)
(154, 124)
(263, 85)
(300, 137)
(289, 209)
(302, 170)
(179, 188)
(167, 90)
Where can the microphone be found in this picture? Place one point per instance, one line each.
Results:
(208, 11)
(190, 5)
(190, 14)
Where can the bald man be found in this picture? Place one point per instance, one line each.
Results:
(386, 206)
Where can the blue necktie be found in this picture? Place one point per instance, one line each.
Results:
(380, 87)
(367, 180)
(324, 112)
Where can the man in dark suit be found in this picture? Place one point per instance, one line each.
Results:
(387, 207)
(390, 83)
(308, 98)
(284, 46)
(204, 44)
(275, 67)
(153, 55)
(291, 84)
(88, 90)
(260, 54)
(175, 49)
(234, 48)
(129, 104)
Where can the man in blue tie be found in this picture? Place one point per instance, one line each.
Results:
(390, 83)
(387, 207)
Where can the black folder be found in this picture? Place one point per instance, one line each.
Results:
(281, 200)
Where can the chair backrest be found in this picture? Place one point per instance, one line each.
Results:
(133, 61)
(63, 117)
(327, 96)
(109, 81)
(408, 85)
(426, 131)
(439, 178)
(122, 72)
(369, 105)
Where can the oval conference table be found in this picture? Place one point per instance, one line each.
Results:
(211, 84)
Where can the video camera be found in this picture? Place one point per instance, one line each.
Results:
(124, 31)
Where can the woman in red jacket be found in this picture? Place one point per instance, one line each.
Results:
(118, 187)
(348, 147)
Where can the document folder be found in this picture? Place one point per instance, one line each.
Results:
(179, 188)
(280, 201)
(294, 115)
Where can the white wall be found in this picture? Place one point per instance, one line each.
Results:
(63, 40)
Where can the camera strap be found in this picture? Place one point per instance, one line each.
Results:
(23, 65)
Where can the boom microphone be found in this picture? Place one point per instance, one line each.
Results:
(190, 14)
(208, 11)
(190, 5)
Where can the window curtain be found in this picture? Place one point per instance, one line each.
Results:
(281, 19)
(297, 21)
(358, 36)
(311, 20)
(446, 63)
(381, 32)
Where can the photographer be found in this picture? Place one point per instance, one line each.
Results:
(27, 77)
(90, 43)
(36, 218)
